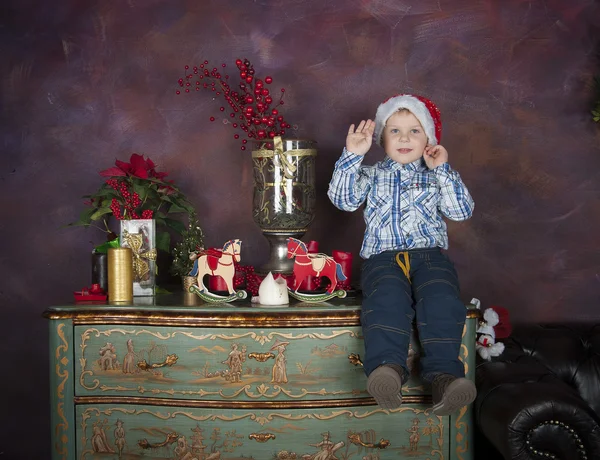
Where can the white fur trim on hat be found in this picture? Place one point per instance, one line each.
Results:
(416, 107)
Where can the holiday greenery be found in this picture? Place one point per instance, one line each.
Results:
(192, 241)
(136, 190)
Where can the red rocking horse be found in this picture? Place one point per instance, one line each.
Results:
(306, 264)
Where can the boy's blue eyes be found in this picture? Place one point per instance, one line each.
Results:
(413, 131)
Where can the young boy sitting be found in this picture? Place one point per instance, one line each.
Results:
(405, 272)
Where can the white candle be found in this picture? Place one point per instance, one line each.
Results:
(273, 291)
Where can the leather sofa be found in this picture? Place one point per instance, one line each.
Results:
(540, 399)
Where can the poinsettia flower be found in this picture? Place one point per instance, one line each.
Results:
(138, 167)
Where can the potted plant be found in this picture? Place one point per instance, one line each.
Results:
(192, 242)
(139, 197)
(136, 190)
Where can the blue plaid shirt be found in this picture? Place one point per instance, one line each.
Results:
(404, 203)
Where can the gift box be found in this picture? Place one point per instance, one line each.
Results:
(139, 235)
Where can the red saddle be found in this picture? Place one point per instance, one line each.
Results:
(212, 257)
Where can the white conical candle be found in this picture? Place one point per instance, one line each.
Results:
(273, 291)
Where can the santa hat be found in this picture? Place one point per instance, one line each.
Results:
(426, 112)
(503, 328)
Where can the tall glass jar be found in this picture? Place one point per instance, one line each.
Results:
(284, 195)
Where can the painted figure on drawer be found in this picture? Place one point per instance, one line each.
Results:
(405, 274)
(413, 439)
(99, 442)
(108, 357)
(279, 374)
(213, 262)
(119, 437)
(234, 361)
(130, 359)
(328, 449)
(306, 264)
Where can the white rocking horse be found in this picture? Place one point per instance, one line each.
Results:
(215, 262)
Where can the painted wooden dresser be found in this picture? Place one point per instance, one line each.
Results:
(175, 378)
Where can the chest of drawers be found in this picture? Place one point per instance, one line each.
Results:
(179, 379)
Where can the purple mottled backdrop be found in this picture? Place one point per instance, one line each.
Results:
(85, 82)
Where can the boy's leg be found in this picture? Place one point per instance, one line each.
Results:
(440, 320)
(386, 319)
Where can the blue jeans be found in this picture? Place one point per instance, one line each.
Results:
(391, 302)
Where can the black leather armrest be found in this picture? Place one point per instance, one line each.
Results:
(525, 411)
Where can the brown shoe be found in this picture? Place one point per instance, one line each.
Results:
(451, 393)
(385, 385)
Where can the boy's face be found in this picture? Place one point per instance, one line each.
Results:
(404, 139)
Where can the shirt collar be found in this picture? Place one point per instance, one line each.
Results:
(417, 165)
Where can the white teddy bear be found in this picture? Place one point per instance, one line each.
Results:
(486, 344)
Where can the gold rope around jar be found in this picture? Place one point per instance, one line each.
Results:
(120, 274)
(289, 168)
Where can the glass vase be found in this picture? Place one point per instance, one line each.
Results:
(284, 195)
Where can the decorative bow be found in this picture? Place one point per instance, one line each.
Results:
(288, 167)
(140, 259)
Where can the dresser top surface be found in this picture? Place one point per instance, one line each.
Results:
(190, 308)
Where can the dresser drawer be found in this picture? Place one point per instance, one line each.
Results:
(218, 364)
(226, 364)
(156, 432)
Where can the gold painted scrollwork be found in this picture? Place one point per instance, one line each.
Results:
(261, 437)
(261, 357)
(354, 358)
(169, 361)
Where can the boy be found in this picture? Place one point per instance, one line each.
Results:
(405, 272)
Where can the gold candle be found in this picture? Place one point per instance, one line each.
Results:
(120, 275)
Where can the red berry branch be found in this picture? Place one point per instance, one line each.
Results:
(252, 107)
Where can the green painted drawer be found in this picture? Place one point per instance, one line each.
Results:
(218, 364)
(226, 364)
(187, 433)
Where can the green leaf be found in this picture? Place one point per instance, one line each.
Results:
(163, 241)
(100, 212)
(104, 247)
(175, 225)
(140, 190)
(177, 208)
(86, 214)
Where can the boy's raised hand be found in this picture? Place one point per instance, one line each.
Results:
(435, 155)
(359, 141)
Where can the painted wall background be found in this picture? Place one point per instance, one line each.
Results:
(84, 83)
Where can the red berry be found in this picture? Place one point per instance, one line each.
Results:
(268, 80)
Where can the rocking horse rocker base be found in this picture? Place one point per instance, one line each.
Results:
(208, 296)
(323, 297)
